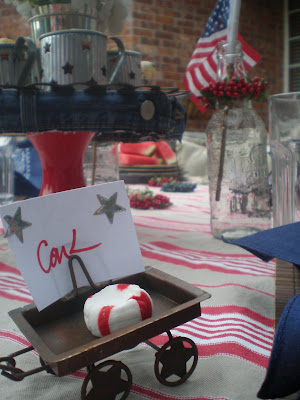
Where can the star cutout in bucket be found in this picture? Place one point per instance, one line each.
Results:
(16, 225)
(4, 56)
(86, 45)
(109, 206)
(68, 68)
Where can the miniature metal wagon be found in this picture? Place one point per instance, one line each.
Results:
(65, 345)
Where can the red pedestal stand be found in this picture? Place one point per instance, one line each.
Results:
(61, 155)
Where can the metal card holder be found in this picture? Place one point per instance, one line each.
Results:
(175, 361)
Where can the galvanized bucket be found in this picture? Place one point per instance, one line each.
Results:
(56, 17)
(76, 56)
(17, 62)
(130, 70)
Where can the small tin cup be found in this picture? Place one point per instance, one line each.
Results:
(130, 70)
(17, 61)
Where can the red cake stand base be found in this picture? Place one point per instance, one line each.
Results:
(61, 155)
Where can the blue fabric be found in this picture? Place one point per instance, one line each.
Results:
(283, 374)
(114, 114)
(28, 170)
(282, 242)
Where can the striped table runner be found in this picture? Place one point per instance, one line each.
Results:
(234, 334)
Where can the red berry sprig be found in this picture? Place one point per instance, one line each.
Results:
(159, 180)
(140, 201)
(145, 200)
(234, 88)
(160, 201)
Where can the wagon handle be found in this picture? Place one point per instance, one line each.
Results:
(10, 371)
(85, 271)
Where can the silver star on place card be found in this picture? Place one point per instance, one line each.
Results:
(109, 206)
(16, 225)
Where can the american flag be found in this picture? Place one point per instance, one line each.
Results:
(202, 68)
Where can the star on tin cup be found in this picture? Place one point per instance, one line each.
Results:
(16, 225)
(103, 69)
(47, 48)
(109, 206)
(131, 75)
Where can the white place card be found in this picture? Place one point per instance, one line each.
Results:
(94, 223)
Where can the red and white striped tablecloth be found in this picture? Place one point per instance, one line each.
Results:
(234, 334)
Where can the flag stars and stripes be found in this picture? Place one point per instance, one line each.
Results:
(218, 19)
(202, 67)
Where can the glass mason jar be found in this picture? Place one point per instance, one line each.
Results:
(237, 160)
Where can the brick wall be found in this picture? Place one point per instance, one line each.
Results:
(12, 25)
(166, 31)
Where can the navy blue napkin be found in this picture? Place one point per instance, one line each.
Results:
(282, 242)
(283, 374)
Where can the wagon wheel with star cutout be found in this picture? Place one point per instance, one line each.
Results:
(107, 381)
(175, 361)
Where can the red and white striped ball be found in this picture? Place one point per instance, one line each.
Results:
(116, 307)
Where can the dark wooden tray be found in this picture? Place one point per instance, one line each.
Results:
(61, 338)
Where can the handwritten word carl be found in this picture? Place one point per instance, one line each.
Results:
(56, 256)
